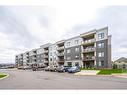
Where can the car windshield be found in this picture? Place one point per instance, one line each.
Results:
(73, 67)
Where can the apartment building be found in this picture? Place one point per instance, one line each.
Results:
(91, 49)
(19, 60)
(53, 55)
(96, 49)
(33, 56)
(73, 52)
(40, 56)
(60, 52)
(45, 51)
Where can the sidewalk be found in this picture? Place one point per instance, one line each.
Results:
(87, 72)
(120, 75)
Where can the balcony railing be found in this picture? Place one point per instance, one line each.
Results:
(60, 60)
(46, 51)
(45, 61)
(45, 56)
(89, 58)
(34, 53)
(60, 48)
(88, 41)
(60, 54)
(89, 50)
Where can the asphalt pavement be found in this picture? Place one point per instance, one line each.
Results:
(28, 79)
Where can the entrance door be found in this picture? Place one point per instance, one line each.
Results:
(88, 65)
(77, 64)
(69, 64)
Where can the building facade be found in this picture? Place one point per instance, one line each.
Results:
(91, 49)
(73, 52)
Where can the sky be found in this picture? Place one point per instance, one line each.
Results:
(23, 28)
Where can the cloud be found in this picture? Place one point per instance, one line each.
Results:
(25, 27)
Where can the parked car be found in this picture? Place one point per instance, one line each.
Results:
(42, 66)
(26, 67)
(74, 69)
(66, 68)
(61, 69)
(53, 68)
(20, 67)
(34, 67)
(47, 68)
(3, 68)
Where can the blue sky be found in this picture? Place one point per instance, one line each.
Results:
(23, 28)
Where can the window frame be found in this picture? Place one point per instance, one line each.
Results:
(101, 35)
(101, 54)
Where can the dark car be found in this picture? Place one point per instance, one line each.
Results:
(74, 69)
(66, 68)
(34, 67)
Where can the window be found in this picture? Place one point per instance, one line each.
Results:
(41, 55)
(51, 48)
(69, 64)
(101, 35)
(38, 56)
(50, 54)
(77, 49)
(68, 58)
(76, 41)
(50, 59)
(101, 63)
(68, 51)
(76, 63)
(101, 54)
(68, 43)
(101, 45)
(77, 56)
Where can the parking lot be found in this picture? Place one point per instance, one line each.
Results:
(28, 79)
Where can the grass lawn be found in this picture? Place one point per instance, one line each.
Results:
(2, 75)
(111, 71)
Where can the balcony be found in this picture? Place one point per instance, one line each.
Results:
(88, 42)
(46, 51)
(60, 60)
(27, 55)
(45, 56)
(33, 53)
(89, 58)
(87, 50)
(60, 54)
(34, 57)
(45, 61)
(60, 48)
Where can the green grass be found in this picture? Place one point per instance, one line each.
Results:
(2, 75)
(111, 71)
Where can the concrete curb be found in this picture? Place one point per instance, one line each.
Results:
(120, 75)
(7, 75)
(94, 75)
